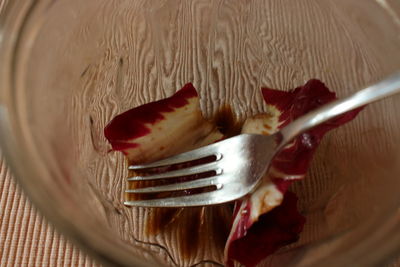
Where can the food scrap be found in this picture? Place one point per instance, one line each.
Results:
(266, 220)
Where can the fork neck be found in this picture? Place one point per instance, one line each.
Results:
(382, 89)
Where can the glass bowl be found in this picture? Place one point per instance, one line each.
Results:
(68, 67)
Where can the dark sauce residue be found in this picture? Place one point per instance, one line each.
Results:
(227, 121)
(141, 184)
(199, 226)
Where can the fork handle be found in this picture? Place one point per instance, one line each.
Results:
(378, 91)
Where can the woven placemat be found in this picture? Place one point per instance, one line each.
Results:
(26, 238)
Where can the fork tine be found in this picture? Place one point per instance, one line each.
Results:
(199, 153)
(212, 166)
(179, 186)
(201, 199)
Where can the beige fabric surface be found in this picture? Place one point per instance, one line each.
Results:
(26, 238)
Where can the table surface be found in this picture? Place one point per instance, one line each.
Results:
(26, 238)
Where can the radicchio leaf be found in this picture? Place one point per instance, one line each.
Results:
(273, 230)
(251, 214)
(162, 128)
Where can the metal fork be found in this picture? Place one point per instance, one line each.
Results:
(241, 161)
